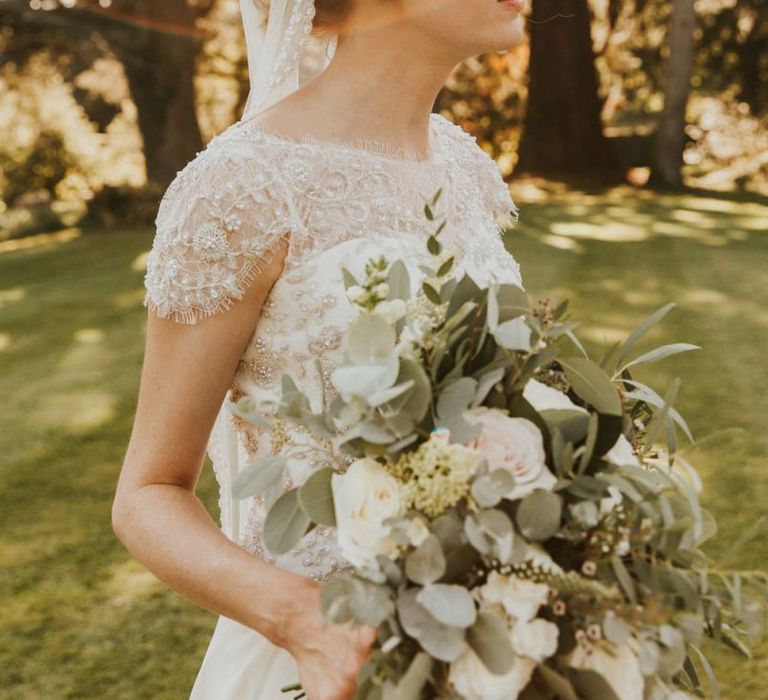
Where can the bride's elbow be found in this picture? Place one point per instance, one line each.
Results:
(120, 516)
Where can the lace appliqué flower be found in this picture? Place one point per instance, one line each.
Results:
(210, 243)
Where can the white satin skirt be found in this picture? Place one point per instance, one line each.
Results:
(241, 664)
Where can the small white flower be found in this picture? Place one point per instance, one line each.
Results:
(620, 669)
(381, 290)
(623, 547)
(621, 454)
(355, 293)
(519, 597)
(612, 501)
(537, 556)
(364, 497)
(392, 310)
(536, 639)
(417, 531)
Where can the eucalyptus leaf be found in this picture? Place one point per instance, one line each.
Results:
(441, 641)
(369, 602)
(409, 687)
(661, 353)
(489, 489)
(426, 563)
(415, 403)
(456, 398)
(592, 384)
(387, 395)
(399, 281)
(366, 380)
(513, 335)
(512, 302)
(484, 385)
(258, 477)
(285, 524)
(370, 340)
(572, 423)
(489, 639)
(616, 630)
(558, 683)
(590, 684)
(349, 279)
(450, 604)
(316, 497)
(642, 329)
(538, 515)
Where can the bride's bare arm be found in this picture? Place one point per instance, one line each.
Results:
(157, 516)
(187, 371)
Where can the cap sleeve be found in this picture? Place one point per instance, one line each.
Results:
(219, 222)
(495, 191)
(485, 182)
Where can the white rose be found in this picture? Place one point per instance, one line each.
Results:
(536, 639)
(620, 669)
(545, 398)
(514, 445)
(519, 597)
(391, 311)
(621, 454)
(364, 497)
(473, 681)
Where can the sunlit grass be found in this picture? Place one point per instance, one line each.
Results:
(81, 619)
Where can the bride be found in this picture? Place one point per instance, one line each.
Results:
(330, 166)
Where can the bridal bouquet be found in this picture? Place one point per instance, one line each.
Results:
(516, 517)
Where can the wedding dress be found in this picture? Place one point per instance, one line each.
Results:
(339, 204)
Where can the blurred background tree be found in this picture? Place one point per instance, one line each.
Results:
(604, 90)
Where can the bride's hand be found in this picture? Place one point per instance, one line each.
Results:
(328, 656)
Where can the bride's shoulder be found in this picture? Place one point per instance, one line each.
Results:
(462, 150)
(219, 221)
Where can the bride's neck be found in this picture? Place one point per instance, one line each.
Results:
(380, 86)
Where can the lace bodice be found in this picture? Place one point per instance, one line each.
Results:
(338, 205)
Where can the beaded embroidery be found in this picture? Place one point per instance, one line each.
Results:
(336, 205)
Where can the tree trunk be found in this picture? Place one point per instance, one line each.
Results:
(165, 101)
(751, 56)
(563, 130)
(670, 136)
(159, 63)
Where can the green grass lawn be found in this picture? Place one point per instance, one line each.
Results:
(82, 620)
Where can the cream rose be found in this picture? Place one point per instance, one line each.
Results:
(536, 639)
(364, 497)
(519, 597)
(473, 681)
(514, 445)
(545, 398)
(620, 669)
(621, 454)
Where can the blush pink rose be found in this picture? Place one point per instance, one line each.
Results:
(514, 445)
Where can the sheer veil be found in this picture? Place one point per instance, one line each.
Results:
(282, 55)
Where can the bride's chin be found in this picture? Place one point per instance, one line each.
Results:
(509, 36)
